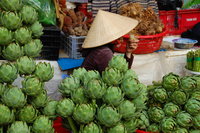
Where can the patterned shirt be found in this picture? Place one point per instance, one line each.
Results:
(114, 5)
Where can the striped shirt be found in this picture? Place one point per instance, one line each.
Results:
(114, 5)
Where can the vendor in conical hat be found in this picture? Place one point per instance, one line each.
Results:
(97, 47)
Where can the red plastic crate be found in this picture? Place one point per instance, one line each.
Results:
(57, 125)
(186, 20)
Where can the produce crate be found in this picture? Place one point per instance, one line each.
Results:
(78, 1)
(73, 46)
(186, 20)
(51, 40)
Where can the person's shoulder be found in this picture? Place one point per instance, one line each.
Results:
(102, 51)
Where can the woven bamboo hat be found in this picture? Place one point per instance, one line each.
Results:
(108, 27)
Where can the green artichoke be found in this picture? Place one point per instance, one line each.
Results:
(130, 87)
(113, 96)
(65, 107)
(95, 89)
(140, 101)
(11, 5)
(127, 109)
(184, 119)
(130, 73)
(196, 95)
(8, 72)
(42, 125)
(2, 89)
(50, 109)
(18, 127)
(33, 48)
(194, 131)
(84, 113)
(171, 109)
(25, 65)
(29, 14)
(171, 82)
(112, 76)
(153, 128)
(12, 52)
(168, 125)
(32, 86)
(196, 121)
(143, 121)
(91, 128)
(188, 83)
(197, 79)
(27, 114)
(119, 128)
(40, 100)
(79, 73)
(181, 130)
(160, 95)
(179, 97)
(14, 97)
(22, 35)
(37, 29)
(5, 36)
(108, 116)
(118, 62)
(11, 20)
(44, 71)
(6, 115)
(156, 114)
(68, 84)
(131, 125)
(78, 96)
(92, 74)
(192, 106)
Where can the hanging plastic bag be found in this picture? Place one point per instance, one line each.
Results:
(191, 4)
(46, 10)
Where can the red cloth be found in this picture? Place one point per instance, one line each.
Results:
(98, 59)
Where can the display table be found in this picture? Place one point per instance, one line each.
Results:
(152, 67)
(149, 67)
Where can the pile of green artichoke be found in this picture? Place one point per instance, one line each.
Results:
(112, 102)
(26, 109)
(174, 105)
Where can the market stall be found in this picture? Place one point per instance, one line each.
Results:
(44, 90)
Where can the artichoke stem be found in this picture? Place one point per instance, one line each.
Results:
(72, 125)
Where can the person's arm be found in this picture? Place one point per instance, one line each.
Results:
(131, 46)
(129, 59)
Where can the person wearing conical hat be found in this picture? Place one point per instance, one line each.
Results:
(97, 48)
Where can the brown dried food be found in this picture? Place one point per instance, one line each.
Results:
(149, 22)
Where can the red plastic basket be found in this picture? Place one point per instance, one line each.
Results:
(57, 125)
(187, 18)
(146, 44)
(140, 131)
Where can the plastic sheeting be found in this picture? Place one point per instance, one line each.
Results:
(52, 85)
(152, 67)
(149, 67)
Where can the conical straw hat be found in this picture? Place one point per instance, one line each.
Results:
(108, 27)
